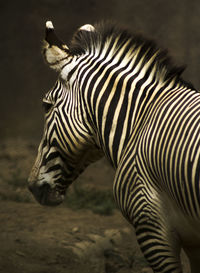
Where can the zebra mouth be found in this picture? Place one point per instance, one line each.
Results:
(52, 197)
(48, 196)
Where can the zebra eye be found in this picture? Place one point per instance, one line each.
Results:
(47, 106)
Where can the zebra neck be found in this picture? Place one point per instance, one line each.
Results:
(118, 93)
(120, 112)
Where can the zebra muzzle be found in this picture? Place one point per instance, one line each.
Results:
(47, 195)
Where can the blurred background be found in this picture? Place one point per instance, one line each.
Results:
(174, 24)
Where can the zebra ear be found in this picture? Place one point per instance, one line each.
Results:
(87, 27)
(54, 50)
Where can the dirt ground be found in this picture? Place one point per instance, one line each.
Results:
(36, 239)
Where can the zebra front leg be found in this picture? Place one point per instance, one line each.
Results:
(162, 257)
(157, 239)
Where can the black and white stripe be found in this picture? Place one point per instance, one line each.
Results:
(118, 93)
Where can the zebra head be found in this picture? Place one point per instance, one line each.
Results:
(68, 145)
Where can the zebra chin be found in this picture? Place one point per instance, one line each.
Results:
(46, 195)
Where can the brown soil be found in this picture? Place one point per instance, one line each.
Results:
(39, 240)
(35, 239)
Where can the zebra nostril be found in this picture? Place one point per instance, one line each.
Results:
(38, 190)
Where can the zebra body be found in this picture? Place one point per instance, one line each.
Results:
(118, 95)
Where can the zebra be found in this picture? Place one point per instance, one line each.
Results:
(119, 95)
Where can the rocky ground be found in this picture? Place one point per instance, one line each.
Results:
(37, 239)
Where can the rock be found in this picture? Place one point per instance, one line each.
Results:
(19, 253)
(147, 270)
(75, 229)
(113, 235)
(115, 262)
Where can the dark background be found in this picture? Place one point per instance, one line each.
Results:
(24, 76)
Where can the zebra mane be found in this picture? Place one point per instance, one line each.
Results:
(86, 41)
